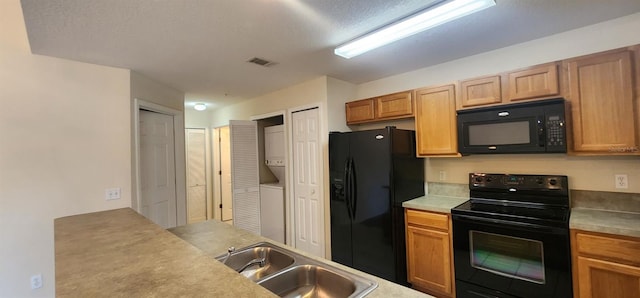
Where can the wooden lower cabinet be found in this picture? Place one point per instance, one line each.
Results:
(606, 266)
(429, 253)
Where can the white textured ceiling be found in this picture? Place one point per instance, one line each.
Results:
(201, 46)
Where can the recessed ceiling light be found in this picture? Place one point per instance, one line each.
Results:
(200, 107)
(421, 21)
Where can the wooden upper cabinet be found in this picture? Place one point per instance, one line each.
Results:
(397, 105)
(602, 90)
(436, 128)
(392, 106)
(479, 92)
(532, 82)
(360, 111)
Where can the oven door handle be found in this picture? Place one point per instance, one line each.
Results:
(507, 223)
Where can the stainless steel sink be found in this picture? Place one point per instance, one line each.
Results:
(289, 274)
(275, 260)
(310, 281)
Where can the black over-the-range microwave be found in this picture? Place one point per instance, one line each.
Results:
(530, 127)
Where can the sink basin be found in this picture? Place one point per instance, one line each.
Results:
(290, 274)
(310, 281)
(275, 260)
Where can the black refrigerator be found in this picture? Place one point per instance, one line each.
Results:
(372, 172)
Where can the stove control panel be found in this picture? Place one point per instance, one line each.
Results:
(512, 182)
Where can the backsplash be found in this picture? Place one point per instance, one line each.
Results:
(605, 200)
(448, 189)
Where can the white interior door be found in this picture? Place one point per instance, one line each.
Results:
(225, 175)
(245, 181)
(307, 181)
(157, 168)
(196, 175)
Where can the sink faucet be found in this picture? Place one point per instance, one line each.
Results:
(259, 261)
(229, 251)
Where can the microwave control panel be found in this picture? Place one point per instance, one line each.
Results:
(555, 128)
(555, 131)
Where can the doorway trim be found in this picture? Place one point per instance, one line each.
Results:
(180, 162)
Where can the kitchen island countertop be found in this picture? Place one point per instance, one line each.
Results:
(434, 203)
(214, 237)
(119, 253)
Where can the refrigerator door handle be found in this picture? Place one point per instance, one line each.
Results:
(347, 185)
(353, 189)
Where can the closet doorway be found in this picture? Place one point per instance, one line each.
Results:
(223, 205)
(198, 203)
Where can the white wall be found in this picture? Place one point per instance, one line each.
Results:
(587, 173)
(64, 138)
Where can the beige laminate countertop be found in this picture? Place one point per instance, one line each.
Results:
(213, 238)
(119, 253)
(434, 203)
(605, 221)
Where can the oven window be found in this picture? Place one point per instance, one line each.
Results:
(499, 133)
(508, 256)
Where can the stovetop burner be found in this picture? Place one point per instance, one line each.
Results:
(534, 199)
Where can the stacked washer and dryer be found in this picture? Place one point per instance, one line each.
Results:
(272, 206)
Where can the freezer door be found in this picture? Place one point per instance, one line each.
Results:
(341, 249)
(372, 235)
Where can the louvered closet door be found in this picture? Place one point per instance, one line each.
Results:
(245, 183)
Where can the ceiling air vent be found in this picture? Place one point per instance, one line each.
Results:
(261, 62)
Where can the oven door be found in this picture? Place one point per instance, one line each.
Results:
(497, 258)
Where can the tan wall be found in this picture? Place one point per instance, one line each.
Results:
(338, 93)
(156, 92)
(64, 138)
(309, 92)
(148, 90)
(587, 173)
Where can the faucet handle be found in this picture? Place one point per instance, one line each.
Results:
(231, 249)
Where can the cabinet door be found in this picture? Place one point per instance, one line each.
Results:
(360, 111)
(429, 259)
(601, 91)
(533, 82)
(436, 128)
(397, 105)
(479, 92)
(599, 278)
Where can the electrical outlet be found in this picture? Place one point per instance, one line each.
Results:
(621, 181)
(443, 175)
(112, 193)
(36, 281)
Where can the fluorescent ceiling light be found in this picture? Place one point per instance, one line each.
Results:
(200, 107)
(422, 21)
